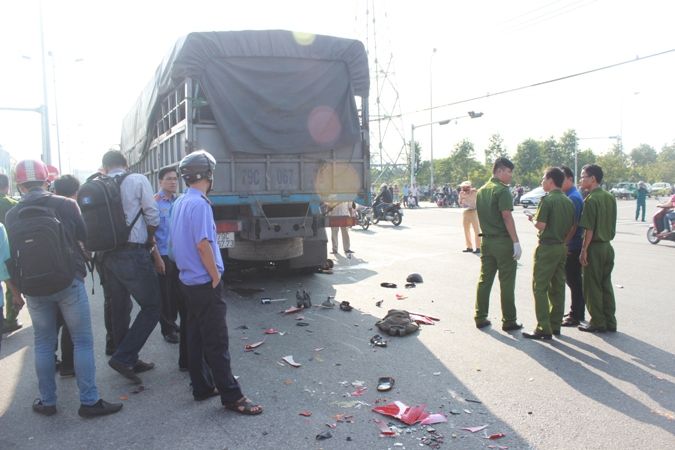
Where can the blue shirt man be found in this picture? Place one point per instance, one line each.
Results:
(192, 222)
(572, 266)
(165, 201)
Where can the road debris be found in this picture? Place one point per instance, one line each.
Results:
(305, 413)
(409, 415)
(324, 435)
(250, 347)
(290, 361)
(475, 429)
(271, 331)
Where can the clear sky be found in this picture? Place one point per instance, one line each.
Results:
(105, 52)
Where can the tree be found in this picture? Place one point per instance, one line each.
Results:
(569, 143)
(551, 152)
(495, 149)
(643, 155)
(418, 157)
(585, 157)
(614, 165)
(529, 162)
(463, 160)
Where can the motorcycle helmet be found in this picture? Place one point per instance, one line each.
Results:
(196, 166)
(30, 170)
(414, 278)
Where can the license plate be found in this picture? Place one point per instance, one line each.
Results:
(226, 240)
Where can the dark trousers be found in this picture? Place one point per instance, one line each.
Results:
(641, 206)
(169, 288)
(128, 272)
(573, 280)
(67, 361)
(208, 342)
(112, 337)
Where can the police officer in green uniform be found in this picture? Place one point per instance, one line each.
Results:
(555, 221)
(7, 203)
(597, 254)
(500, 248)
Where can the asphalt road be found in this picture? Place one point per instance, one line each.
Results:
(580, 391)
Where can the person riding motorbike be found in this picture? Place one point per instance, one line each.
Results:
(383, 199)
(663, 217)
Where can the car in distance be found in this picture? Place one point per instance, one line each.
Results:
(533, 197)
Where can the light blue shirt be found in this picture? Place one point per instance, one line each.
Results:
(165, 202)
(4, 257)
(137, 193)
(192, 222)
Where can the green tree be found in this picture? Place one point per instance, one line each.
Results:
(495, 149)
(643, 155)
(463, 160)
(584, 157)
(614, 165)
(529, 162)
(551, 152)
(569, 143)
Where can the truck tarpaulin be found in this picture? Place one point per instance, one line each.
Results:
(269, 91)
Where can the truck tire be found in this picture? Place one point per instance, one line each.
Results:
(272, 250)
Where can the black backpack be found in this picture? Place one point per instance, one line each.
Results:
(42, 252)
(100, 201)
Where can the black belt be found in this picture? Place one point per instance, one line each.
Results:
(494, 235)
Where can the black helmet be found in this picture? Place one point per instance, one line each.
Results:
(414, 278)
(196, 166)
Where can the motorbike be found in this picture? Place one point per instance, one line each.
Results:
(654, 237)
(391, 213)
(442, 200)
(363, 214)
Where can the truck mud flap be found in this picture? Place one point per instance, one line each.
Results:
(315, 252)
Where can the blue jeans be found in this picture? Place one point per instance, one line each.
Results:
(74, 305)
(131, 272)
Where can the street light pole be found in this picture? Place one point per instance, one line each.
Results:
(431, 115)
(46, 142)
(412, 155)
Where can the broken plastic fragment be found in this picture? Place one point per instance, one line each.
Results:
(379, 303)
(406, 414)
(475, 429)
(325, 435)
(124, 397)
(401, 297)
(291, 310)
(250, 347)
(434, 418)
(385, 430)
(318, 349)
(496, 436)
(290, 361)
(300, 318)
(305, 413)
(359, 392)
(424, 320)
(471, 400)
(271, 331)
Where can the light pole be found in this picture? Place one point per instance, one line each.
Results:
(46, 142)
(431, 114)
(471, 114)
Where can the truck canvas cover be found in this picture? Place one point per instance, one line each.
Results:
(269, 91)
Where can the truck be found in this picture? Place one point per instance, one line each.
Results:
(285, 115)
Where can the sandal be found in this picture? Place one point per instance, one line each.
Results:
(377, 341)
(385, 384)
(244, 406)
(345, 306)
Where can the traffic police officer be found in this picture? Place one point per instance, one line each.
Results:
(597, 254)
(500, 248)
(195, 250)
(555, 221)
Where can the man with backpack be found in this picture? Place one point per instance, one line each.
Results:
(47, 266)
(127, 263)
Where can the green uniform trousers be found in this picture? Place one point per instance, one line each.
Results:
(548, 286)
(497, 255)
(597, 283)
(10, 310)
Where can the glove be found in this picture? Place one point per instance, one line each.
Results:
(517, 251)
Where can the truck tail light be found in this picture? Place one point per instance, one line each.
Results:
(227, 226)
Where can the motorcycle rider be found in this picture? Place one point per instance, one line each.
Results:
(663, 216)
(383, 199)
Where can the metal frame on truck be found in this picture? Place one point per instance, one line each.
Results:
(278, 110)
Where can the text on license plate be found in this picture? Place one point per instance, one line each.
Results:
(226, 240)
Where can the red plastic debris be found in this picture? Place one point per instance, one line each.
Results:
(305, 413)
(401, 297)
(291, 310)
(384, 428)
(496, 436)
(407, 414)
(250, 347)
(424, 320)
(271, 331)
(434, 418)
(359, 391)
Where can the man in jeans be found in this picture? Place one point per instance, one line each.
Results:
(31, 177)
(577, 312)
(195, 249)
(129, 270)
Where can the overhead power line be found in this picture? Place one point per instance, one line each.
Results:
(541, 83)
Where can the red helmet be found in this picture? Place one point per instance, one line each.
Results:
(30, 170)
(52, 172)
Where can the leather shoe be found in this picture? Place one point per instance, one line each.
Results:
(142, 366)
(513, 326)
(172, 338)
(213, 393)
(100, 408)
(125, 371)
(537, 335)
(467, 250)
(556, 332)
(570, 321)
(483, 324)
(590, 328)
(41, 408)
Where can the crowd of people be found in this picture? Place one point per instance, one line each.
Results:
(170, 264)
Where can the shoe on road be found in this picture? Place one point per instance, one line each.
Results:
(570, 321)
(537, 335)
(41, 408)
(467, 250)
(125, 371)
(513, 326)
(172, 338)
(589, 328)
(100, 408)
(483, 324)
(142, 366)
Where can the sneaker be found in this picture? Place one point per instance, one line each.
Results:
(467, 250)
(41, 408)
(100, 408)
(125, 371)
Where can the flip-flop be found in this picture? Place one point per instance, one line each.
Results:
(244, 406)
(388, 285)
(345, 306)
(377, 341)
(385, 384)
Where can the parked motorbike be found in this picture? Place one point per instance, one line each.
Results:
(391, 213)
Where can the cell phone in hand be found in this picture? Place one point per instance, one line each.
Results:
(528, 213)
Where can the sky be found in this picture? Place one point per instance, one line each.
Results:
(104, 53)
